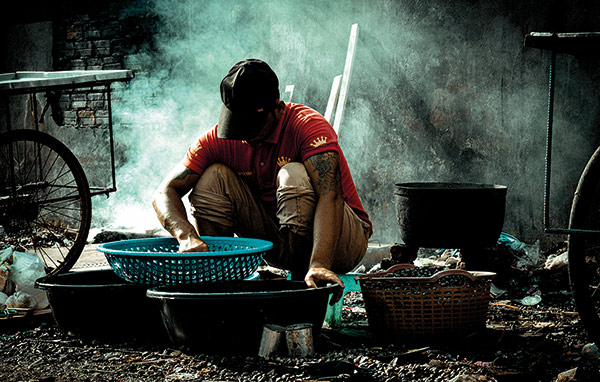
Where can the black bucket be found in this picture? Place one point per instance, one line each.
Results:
(97, 304)
(450, 215)
(229, 317)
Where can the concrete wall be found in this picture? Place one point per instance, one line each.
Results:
(441, 91)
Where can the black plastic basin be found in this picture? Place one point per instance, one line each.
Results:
(450, 215)
(229, 317)
(100, 305)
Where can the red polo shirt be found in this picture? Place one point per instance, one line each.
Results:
(301, 133)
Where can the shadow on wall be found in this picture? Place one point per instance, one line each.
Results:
(457, 98)
(440, 91)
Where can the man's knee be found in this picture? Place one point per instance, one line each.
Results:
(214, 173)
(209, 199)
(293, 174)
(295, 199)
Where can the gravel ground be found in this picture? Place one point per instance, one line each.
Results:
(534, 343)
(544, 341)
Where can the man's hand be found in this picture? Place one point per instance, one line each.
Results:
(193, 244)
(315, 275)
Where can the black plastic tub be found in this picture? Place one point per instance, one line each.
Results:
(98, 304)
(229, 317)
(450, 215)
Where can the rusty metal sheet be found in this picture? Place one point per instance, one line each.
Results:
(35, 81)
(580, 44)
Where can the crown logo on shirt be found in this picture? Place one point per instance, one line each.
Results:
(282, 161)
(319, 141)
(194, 149)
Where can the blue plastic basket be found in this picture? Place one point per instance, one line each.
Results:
(157, 262)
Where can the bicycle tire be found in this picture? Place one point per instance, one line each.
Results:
(44, 193)
(584, 249)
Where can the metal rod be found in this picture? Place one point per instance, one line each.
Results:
(33, 98)
(102, 191)
(112, 148)
(339, 113)
(333, 97)
(37, 128)
(549, 141)
(568, 231)
(13, 183)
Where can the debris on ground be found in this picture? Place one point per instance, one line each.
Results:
(18, 273)
(533, 333)
(534, 343)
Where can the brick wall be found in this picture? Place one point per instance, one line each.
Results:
(78, 35)
(98, 37)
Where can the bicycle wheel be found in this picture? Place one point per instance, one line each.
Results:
(45, 202)
(584, 249)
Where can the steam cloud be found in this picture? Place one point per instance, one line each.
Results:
(439, 92)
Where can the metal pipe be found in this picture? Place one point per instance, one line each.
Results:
(38, 147)
(112, 148)
(549, 141)
(13, 185)
(568, 231)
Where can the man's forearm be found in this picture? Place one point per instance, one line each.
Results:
(172, 215)
(327, 230)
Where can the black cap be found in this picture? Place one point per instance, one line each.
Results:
(250, 85)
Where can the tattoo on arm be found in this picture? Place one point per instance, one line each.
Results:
(184, 174)
(326, 172)
(181, 179)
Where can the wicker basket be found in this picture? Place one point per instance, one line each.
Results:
(417, 307)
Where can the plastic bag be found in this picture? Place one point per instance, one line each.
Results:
(6, 284)
(529, 257)
(25, 270)
(3, 297)
(557, 261)
(21, 299)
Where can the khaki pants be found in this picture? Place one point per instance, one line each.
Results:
(221, 199)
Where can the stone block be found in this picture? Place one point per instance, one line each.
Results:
(101, 44)
(93, 61)
(78, 104)
(109, 60)
(102, 52)
(83, 53)
(95, 96)
(78, 63)
(92, 34)
(77, 97)
(97, 104)
(115, 66)
(83, 45)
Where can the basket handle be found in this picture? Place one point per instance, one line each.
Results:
(450, 272)
(391, 269)
(435, 277)
(398, 267)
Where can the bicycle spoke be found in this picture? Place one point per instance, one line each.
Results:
(47, 197)
(45, 256)
(44, 196)
(50, 228)
(595, 288)
(56, 213)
